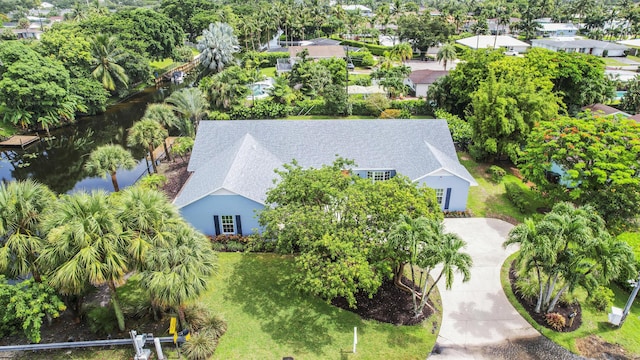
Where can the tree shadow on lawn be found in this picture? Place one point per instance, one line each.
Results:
(262, 287)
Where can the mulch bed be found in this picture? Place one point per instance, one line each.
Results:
(390, 305)
(176, 174)
(562, 308)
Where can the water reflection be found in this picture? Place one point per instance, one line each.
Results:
(59, 161)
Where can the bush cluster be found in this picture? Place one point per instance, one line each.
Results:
(457, 214)
(556, 321)
(260, 110)
(206, 329)
(497, 173)
(414, 107)
(517, 196)
(601, 299)
(264, 59)
(377, 50)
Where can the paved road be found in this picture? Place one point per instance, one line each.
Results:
(478, 322)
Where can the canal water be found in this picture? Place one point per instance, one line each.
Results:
(58, 161)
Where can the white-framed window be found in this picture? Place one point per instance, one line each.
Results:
(379, 175)
(228, 224)
(439, 195)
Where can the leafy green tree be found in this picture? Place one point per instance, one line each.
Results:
(461, 131)
(281, 92)
(337, 223)
(631, 99)
(148, 134)
(106, 54)
(191, 104)
(69, 46)
(164, 115)
(108, 159)
(183, 12)
(504, 111)
(90, 93)
(308, 76)
(182, 146)
(336, 100)
(446, 53)
(217, 47)
(597, 157)
(569, 248)
(402, 51)
(424, 31)
(22, 204)
(25, 305)
(86, 245)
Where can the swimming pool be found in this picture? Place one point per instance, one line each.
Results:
(620, 94)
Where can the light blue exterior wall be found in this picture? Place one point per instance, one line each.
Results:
(459, 190)
(200, 213)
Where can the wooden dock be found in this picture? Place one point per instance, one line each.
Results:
(20, 140)
(166, 76)
(158, 153)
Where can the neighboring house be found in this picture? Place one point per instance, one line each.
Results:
(232, 163)
(315, 52)
(555, 30)
(363, 10)
(502, 29)
(585, 46)
(604, 110)
(494, 42)
(420, 80)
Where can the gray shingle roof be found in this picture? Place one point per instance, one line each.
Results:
(240, 156)
(579, 44)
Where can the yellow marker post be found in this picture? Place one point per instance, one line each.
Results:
(175, 338)
(172, 325)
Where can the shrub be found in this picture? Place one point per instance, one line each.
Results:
(390, 114)
(265, 59)
(497, 173)
(257, 243)
(601, 299)
(217, 115)
(216, 325)
(102, 320)
(360, 107)
(201, 346)
(555, 320)
(260, 110)
(235, 246)
(461, 131)
(526, 288)
(197, 316)
(517, 196)
(415, 107)
(377, 50)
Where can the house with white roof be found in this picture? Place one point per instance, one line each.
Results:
(555, 30)
(494, 42)
(585, 46)
(232, 163)
(363, 10)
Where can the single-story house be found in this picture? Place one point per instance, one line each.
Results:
(494, 42)
(585, 46)
(420, 80)
(315, 52)
(232, 163)
(557, 30)
(361, 9)
(604, 110)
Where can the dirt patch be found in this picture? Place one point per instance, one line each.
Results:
(595, 347)
(562, 308)
(176, 174)
(390, 305)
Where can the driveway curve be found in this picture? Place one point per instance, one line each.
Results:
(478, 321)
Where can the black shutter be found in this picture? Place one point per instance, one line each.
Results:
(446, 200)
(238, 225)
(216, 222)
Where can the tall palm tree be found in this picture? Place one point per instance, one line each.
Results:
(446, 53)
(178, 273)
(192, 104)
(86, 245)
(22, 204)
(217, 46)
(107, 159)
(106, 56)
(149, 134)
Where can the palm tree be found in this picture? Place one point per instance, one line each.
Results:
(178, 273)
(402, 51)
(86, 246)
(149, 134)
(105, 57)
(22, 204)
(164, 115)
(217, 46)
(446, 53)
(192, 105)
(107, 159)
(226, 88)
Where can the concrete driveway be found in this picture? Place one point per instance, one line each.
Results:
(478, 321)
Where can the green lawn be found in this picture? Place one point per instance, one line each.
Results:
(161, 65)
(267, 320)
(268, 72)
(593, 322)
(613, 62)
(489, 199)
(634, 58)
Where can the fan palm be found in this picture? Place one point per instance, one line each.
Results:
(192, 105)
(22, 204)
(106, 55)
(217, 46)
(107, 159)
(149, 134)
(86, 245)
(446, 53)
(178, 273)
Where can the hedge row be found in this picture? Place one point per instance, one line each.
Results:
(377, 50)
(265, 59)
